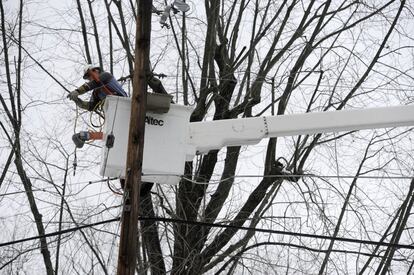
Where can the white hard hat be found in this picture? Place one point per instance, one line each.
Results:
(89, 67)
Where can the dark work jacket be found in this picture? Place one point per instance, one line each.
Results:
(99, 92)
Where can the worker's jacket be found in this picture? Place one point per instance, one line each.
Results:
(99, 92)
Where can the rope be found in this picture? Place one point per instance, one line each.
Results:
(75, 157)
(98, 109)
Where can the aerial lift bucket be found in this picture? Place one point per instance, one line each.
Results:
(165, 142)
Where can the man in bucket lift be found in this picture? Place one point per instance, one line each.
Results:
(102, 83)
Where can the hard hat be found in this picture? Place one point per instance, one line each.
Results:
(89, 67)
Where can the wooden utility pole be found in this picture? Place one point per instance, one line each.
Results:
(127, 255)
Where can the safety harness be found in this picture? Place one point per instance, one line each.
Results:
(95, 77)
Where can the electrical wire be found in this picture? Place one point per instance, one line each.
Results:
(304, 175)
(52, 206)
(64, 231)
(325, 176)
(52, 187)
(284, 176)
(279, 232)
(217, 225)
(235, 176)
(268, 80)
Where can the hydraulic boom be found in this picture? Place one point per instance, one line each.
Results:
(170, 139)
(213, 135)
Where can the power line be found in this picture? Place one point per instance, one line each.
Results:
(286, 176)
(235, 176)
(268, 80)
(326, 176)
(218, 225)
(17, 192)
(38, 63)
(45, 189)
(280, 232)
(298, 246)
(212, 182)
(59, 232)
(53, 206)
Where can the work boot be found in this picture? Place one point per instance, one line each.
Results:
(80, 138)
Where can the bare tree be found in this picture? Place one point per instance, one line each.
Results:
(13, 110)
(237, 59)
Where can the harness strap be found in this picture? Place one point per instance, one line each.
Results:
(95, 77)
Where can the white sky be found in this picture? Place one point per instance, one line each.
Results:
(44, 124)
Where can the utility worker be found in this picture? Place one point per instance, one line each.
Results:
(102, 83)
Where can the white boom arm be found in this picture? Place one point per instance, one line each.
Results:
(211, 135)
(170, 139)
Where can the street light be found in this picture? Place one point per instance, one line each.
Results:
(176, 6)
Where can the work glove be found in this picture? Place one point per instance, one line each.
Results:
(80, 138)
(73, 95)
